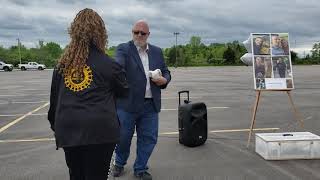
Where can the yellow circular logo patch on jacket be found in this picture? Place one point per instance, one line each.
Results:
(78, 82)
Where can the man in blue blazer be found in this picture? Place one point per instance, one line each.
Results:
(140, 110)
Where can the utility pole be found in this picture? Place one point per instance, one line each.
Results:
(19, 49)
(176, 34)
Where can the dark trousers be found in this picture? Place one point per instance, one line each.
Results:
(89, 162)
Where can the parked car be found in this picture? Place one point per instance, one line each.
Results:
(31, 65)
(6, 67)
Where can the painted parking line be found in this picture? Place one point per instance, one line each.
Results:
(21, 94)
(229, 130)
(27, 140)
(214, 107)
(22, 117)
(44, 114)
(165, 133)
(43, 94)
(194, 97)
(23, 102)
(14, 115)
(27, 102)
(12, 95)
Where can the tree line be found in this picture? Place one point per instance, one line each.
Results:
(195, 53)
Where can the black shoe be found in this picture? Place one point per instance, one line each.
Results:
(117, 171)
(143, 176)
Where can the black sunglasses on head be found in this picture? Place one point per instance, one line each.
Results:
(141, 33)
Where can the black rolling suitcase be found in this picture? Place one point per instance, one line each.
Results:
(193, 123)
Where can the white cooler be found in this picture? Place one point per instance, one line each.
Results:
(288, 145)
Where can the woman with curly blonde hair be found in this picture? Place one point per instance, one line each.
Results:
(82, 110)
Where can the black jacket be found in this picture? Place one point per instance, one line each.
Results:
(82, 112)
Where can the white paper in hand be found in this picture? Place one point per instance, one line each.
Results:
(156, 74)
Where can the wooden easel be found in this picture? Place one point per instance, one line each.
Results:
(254, 112)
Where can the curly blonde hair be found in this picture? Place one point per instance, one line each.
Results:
(86, 29)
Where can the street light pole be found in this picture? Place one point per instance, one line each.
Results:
(19, 49)
(176, 34)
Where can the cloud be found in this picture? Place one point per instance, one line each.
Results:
(212, 20)
(20, 2)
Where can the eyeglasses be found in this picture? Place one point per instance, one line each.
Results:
(139, 32)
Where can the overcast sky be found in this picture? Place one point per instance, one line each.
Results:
(213, 20)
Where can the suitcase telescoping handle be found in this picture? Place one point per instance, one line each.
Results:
(180, 92)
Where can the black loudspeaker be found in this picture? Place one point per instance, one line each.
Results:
(192, 122)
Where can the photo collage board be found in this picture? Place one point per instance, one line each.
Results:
(272, 67)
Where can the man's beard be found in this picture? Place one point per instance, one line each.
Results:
(140, 44)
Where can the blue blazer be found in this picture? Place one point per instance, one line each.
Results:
(127, 55)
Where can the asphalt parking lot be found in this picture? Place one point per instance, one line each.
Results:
(27, 147)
